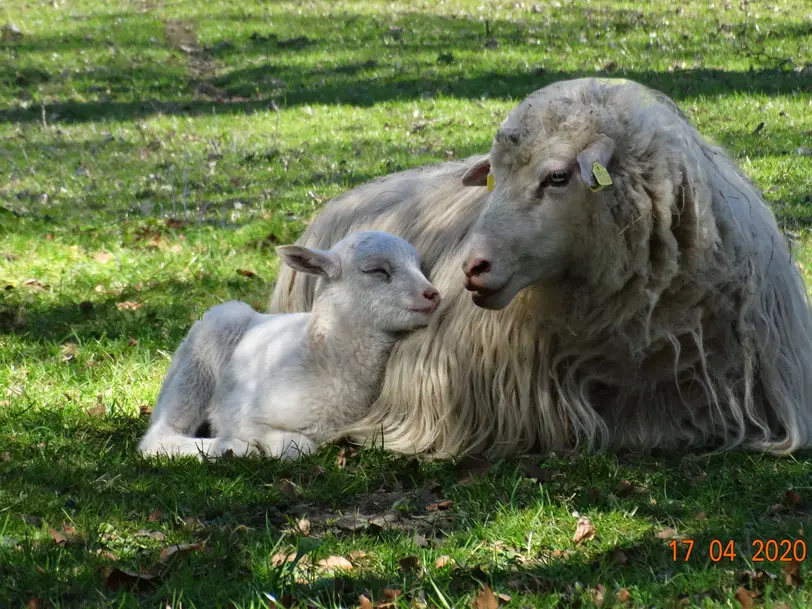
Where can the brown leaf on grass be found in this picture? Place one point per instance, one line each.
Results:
(246, 273)
(792, 498)
(667, 533)
(503, 597)
(116, 579)
(341, 459)
(132, 342)
(154, 516)
(486, 599)
(357, 554)
(745, 597)
(420, 540)
(365, 603)
(34, 603)
(145, 410)
(174, 223)
(103, 257)
(410, 564)
(598, 595)
(352, 522)
(99, 410)
(128, 305)
(470, 467)
(287, 489)
(623, 595)
(792, 574)
(534, 472)
(179, 550)
(304, 526)
(443, 561)
(279, 559)
(624, 488)
(442, 505)
(584, 530)
(59, 538)
(156, 535)
(619, 557)
(35, 284)
(336, 563)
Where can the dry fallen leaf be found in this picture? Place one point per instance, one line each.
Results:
(357, 554)
(443, 561)
(409, 564)
(154, 516)
(287, 489)
(103, 257)
(667, 533)
(156, 535)
(304, 526)
(132, 342)
(99, 410)
(58, 537)
(365, 603)
(34, 603)
(623, 595)
(279, 559)
(145, 410)
(472, 466)
(246, 273)
(584, 530)
(624, 488)
(69, 351)
(792, 498)
(486, 599)
(619, 557)
(442, 505)
(599, 595)
(128, 305)
(792, 574)
(420, 540)
(745, 597)
(36, 284)
(504, 597)
(534, 472)
(335, 563)
(179, 550)
(392, 593)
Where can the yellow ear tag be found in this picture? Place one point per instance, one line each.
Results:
(601, 175)
(490, 182)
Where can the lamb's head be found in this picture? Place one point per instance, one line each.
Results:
(373, 278)
(572, 167)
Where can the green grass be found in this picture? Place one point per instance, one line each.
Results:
(152, 148)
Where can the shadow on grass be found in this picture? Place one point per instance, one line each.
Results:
(65, 468)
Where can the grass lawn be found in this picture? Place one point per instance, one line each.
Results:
(153, 154)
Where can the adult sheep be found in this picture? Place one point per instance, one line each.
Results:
(663, 311)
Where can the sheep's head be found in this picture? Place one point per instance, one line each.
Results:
(372, 279)
(560, 194)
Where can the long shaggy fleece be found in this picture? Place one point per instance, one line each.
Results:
(680, 321)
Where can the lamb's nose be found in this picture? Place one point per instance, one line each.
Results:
(430, 293)
(476, 267)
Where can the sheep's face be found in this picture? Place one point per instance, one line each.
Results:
(374, 279)
(539, 216)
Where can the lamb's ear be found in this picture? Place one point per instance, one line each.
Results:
(600, 151)
(310, 261)
(477, 175)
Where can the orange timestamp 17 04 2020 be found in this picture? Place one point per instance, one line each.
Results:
(762, 550)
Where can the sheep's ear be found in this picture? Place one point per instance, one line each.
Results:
(310, 261)
(478, 174)
(599, 152)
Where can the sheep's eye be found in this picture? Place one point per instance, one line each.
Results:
(383, 273)
(558, 178)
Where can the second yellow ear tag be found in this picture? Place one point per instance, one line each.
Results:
(490, 182)
(601, 175)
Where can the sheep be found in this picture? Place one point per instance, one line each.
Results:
(282, 385)
(659, 311)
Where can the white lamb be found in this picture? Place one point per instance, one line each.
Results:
(284, 384)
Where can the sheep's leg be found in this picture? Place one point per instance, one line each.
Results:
(285, 445)
(164, 441)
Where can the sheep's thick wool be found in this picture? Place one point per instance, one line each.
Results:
(680, 320)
